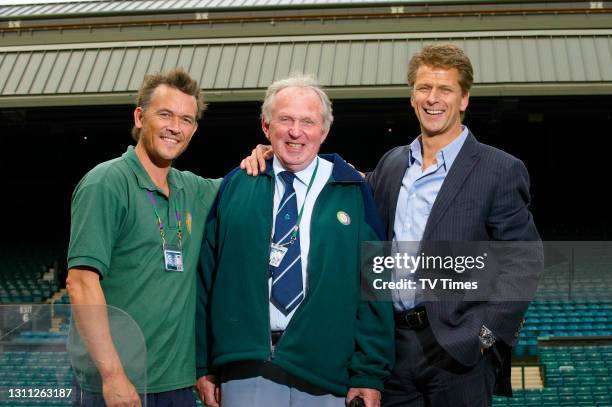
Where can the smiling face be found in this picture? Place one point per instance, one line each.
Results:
(296, 127)
(167, 124)
(438, 101)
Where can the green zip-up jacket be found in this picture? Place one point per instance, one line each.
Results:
(335, 340)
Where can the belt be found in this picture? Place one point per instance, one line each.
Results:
(276, 335)
(415, 318)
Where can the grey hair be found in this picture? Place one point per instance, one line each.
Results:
(297, 81)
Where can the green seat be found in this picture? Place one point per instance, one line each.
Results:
(549, 391)
(564, 390)
(533, 399)
(582, 390)
(584, 398)
(571, 381)
(563, 399)
(601, 371)
(554, 381)
(600, 390)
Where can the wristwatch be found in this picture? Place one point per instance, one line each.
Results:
(486, 338)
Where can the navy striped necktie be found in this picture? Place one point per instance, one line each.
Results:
(287, 284)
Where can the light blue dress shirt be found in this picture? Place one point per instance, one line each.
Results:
(414, 202)
(278, 321)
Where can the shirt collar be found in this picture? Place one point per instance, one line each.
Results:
(303, 176)
(174, 179)
(415, 153)
(446, 156)
(144, 181)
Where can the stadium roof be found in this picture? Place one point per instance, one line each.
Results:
(350, 66)
(79, 8)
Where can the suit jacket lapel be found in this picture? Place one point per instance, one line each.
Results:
(461, 168)
(395, 181)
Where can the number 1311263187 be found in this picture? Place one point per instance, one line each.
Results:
(26, 392)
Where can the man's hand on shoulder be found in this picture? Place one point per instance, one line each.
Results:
(371, 397)
(208, 390)
(256, 162)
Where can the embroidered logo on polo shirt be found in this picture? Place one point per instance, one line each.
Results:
(343, 218)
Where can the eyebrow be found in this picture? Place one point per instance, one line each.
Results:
(166, 110)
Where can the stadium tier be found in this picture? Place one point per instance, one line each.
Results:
(573, 376)
(35, 370)
(563, 319)
(572, 310)
(26, 277)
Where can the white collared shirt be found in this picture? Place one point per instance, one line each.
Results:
(278, 321)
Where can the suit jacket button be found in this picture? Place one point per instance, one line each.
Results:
(516, 334)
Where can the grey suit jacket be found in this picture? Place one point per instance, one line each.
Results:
(485, 196)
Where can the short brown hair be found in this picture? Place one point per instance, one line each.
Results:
(175, 78)
(445, 56)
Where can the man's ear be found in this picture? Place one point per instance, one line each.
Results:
(266, 128)
(465, 100)
(138, 121)
(324, 136)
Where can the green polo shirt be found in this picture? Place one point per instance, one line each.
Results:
(115, 231)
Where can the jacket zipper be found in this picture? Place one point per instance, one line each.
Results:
(314, 207)
(271, 356)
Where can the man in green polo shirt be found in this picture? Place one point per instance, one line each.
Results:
(136, 232)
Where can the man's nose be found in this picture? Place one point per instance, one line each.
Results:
(294, 130)
(174, 124)
(432, 96)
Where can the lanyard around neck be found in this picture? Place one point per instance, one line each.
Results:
(177, 214)
(299, 218)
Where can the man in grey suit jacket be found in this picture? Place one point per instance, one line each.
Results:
(446, 186)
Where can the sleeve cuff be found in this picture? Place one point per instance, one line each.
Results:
(201, 371)
(77, 262)
(366, 382)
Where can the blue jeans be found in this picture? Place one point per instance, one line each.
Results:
(173, 398)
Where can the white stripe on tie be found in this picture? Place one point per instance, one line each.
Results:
(294, 300)
(287, 234)
(283, 204)
(285, 270)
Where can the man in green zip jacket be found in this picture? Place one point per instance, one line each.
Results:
(281, 320)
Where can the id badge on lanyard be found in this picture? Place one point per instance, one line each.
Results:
(173, 257)
(173, 254)
(277, 253)
(279, 250)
